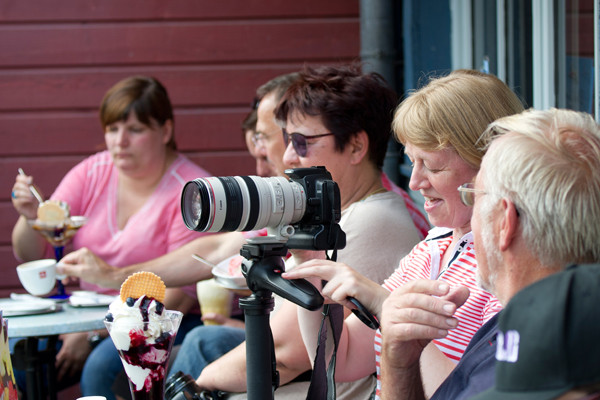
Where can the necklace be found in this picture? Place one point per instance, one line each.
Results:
(374, 192)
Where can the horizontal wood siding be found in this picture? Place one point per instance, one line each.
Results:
(60, 56)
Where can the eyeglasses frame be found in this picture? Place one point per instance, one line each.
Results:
(467, 192)
(289, 137)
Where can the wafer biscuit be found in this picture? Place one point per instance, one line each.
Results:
(143, 283)
(53, 211)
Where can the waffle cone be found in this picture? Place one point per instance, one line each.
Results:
(143, 283)
(52, 212)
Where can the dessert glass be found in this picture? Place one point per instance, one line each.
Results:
(145, 358)
(59, 235)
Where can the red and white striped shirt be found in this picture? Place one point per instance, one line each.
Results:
(423, 262)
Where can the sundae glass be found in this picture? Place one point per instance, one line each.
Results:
(143, 333)
(58, 234)
(55, 224)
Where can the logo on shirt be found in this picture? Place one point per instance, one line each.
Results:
(507, 346)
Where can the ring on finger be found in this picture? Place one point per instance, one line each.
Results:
(13, 195)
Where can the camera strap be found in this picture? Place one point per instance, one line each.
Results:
(322, 382)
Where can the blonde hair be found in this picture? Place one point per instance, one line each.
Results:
(548, 164)
(453, 111)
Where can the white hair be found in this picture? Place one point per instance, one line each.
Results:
(548, 164)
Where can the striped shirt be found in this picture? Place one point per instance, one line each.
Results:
(423, 262)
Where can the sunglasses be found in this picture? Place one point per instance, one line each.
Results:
(299, 141)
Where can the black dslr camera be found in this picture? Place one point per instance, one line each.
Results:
(302, 211)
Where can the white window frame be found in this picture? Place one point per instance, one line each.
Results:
(545, 65)
(462, 34)
(544, 91)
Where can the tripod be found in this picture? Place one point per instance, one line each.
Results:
(263, 275)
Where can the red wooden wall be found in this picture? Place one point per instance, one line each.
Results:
(58, 57)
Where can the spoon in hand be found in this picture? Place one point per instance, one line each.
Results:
(33, 190)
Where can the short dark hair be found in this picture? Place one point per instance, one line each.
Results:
(347, 101)
(277, 85)
(249, 122)
(144, 95)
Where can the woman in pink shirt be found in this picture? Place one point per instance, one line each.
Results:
(130, 194)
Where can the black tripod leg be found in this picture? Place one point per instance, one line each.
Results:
(260, 354)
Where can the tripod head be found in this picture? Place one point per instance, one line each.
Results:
(263, 267)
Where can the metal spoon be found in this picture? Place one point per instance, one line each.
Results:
(202, 260)
(33, 190)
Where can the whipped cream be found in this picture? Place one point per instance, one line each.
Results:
(143, 315)
(143, 335)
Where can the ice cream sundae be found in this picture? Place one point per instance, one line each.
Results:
(143, 333)
(55, 223)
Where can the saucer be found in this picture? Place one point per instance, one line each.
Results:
(12, 308)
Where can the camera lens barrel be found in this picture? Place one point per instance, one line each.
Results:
(241, 203)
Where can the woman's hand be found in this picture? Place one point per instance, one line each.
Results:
(85, 265)
(342, 282)
(22, 199)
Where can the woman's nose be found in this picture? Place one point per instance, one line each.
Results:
(417, 179)
(122, 137)
(290, 157)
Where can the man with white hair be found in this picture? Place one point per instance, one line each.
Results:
(536, 205)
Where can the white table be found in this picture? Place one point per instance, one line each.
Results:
(34, 327)
(68, 320)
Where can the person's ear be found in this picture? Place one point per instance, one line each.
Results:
(508, 225)
(167, 131)
(359, 146)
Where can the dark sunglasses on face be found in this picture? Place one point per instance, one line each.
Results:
(299, 141)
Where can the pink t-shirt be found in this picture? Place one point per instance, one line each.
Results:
(90, 189)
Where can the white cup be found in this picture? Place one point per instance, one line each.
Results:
(38, 277)
(213, 298)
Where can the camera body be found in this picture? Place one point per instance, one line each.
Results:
(180, 386)
(303, 211)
